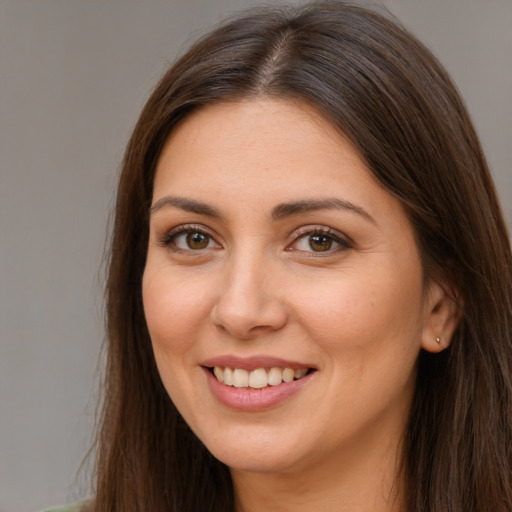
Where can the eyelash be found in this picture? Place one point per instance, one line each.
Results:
(169, 238)
(324, 231)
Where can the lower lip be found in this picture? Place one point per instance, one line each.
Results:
(249, 399)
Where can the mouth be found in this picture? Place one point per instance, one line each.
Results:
(256, 383)
(258, 378)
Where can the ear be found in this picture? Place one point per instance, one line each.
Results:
(442, 315)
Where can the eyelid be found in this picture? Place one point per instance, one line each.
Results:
(310, 230)
(167, 237)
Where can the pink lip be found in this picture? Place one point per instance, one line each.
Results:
(253, 400)
(253, 363)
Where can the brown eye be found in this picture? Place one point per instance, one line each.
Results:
(197, 240)
(190, 239)
(320, 243)
(316, 240)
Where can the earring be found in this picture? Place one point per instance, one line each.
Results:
(438, 340)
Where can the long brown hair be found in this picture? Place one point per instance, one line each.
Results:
(387, 93)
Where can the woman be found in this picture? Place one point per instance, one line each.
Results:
(310, 294)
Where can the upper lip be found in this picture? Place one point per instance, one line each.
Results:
(253, 363)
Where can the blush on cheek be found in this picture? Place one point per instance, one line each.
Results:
(341, 315)
(173, 313)
(359, 321)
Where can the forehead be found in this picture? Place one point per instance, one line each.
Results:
(253, 142)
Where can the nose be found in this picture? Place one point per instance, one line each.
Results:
(248, 304)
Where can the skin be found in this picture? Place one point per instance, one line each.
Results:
(358, 312)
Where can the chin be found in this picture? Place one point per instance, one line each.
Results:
(252, 462)
(255, 453)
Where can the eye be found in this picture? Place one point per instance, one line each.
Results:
(319, 240)
(194, 241)
(317, 243)
(189, 238)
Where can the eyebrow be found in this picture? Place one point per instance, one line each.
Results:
(188, 205)
(280, 211)
(310, 205)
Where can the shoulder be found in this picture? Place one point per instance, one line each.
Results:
(76, 507)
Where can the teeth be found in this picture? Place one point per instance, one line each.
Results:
(288, 374)
(240, 378)
(275, 376)
(228, 376)
(257, 379)
(300, 373)
(219, 373)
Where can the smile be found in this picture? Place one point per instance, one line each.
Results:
(258, 378)
(256, 383)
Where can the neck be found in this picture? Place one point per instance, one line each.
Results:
(365, 478)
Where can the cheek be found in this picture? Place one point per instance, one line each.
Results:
(368, 326)
(174, 309)
(175, 312)
(363, 311)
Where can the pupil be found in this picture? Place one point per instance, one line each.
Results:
(197, 240)
(320, 243)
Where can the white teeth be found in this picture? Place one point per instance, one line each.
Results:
(228, 376)
(258, 378)
(288, 374)
(240, 378)
(300, 373)
(275, 376)
(219, 373)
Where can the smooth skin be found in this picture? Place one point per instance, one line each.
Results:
(270, 236)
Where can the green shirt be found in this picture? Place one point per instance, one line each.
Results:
(76, 507)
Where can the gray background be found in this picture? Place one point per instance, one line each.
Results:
(73, 76)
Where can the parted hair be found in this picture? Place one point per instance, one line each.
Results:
(382, 89)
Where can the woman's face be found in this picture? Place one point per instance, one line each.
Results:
(274, 252)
